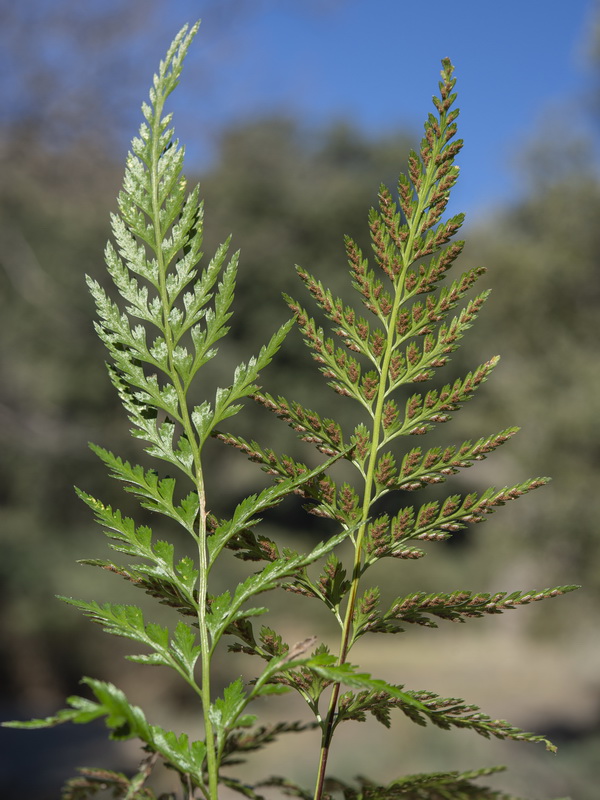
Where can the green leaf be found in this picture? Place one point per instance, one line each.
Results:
(435, 405)
(226, 711)
(333, 583)
(184, 647)
(443, 712)
(126, 621)
(81, 711)
(175, 584)
(156, 494)
(243, 385)
(448, 712)
(127, 721)
(325, 434)
(161, 322)
(168, 591)
(325, 666)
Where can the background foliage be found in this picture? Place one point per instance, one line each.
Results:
(290, 197)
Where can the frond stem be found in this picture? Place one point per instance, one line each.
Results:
(345, 643)
(423, 198)
(205, 688)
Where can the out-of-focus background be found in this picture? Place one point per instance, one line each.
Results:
(293, 113)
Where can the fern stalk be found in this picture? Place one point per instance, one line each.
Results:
(431, 179)
(188, 430)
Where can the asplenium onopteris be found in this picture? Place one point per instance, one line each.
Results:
(165, 325)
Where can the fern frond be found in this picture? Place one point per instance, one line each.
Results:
(438, 520)
(419, 469)
(127, 721)
(155, 494)
(165, 589)
(93, 780)
(181, 652)
(432, 786)
(443, 712)
(419, 607)
(325, 434)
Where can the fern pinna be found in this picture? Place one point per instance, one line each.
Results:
(165, 328)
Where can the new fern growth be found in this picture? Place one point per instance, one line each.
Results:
(160, 333)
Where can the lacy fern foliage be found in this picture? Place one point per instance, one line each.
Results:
(163, 327)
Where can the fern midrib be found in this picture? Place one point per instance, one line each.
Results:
(345, 643)
(423, 199)
(205, 688)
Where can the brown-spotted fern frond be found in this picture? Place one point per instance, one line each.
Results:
(406, 330)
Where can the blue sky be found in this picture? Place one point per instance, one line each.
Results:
(521, 67)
